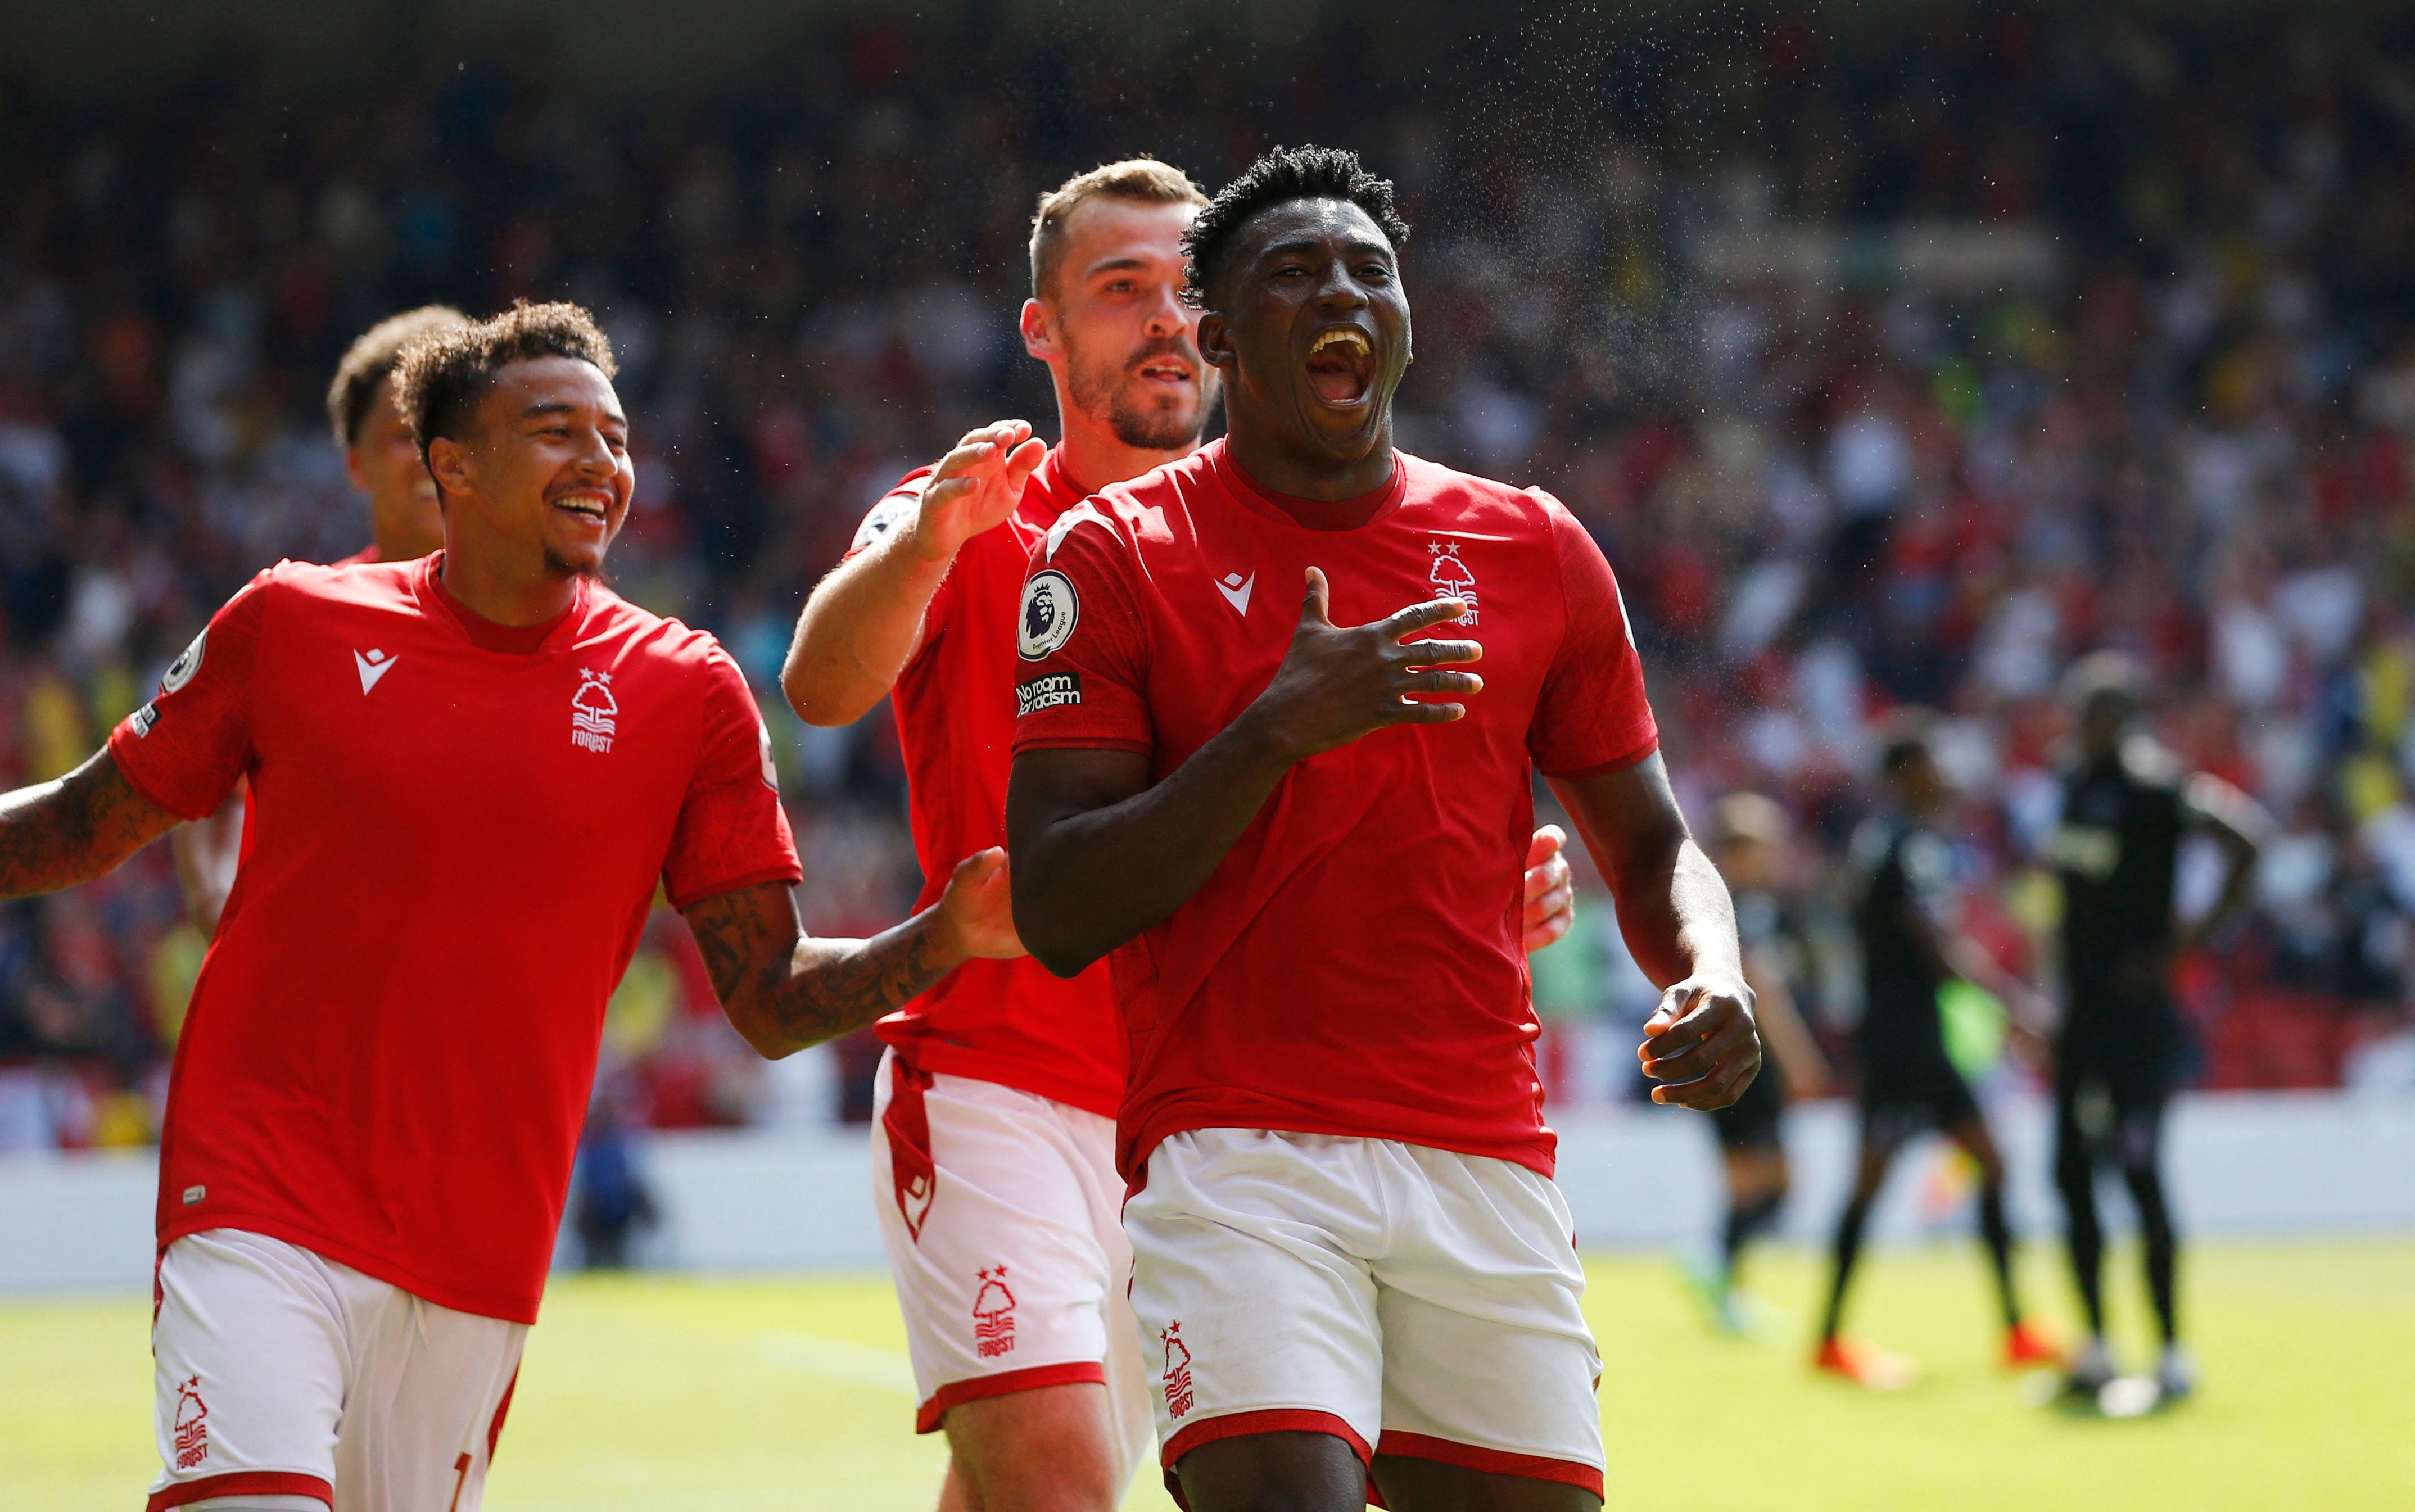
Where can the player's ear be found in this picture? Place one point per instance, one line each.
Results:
(1038, 331)
(448, 463)
(1215, 339)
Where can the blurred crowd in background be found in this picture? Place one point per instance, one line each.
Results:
(1891, 367)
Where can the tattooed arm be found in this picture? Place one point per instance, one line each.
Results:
(56, 834)
(785, 990)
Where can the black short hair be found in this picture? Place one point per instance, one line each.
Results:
(440, 377)
(1282, 175)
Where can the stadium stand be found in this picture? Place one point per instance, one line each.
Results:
(1870, 399)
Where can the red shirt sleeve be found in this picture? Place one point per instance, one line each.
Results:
(731, 832)
(1593, 716)
(1082, 642)
(184, 749)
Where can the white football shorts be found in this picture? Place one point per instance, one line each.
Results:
(286, 1380)
(1407, 1301)
(998, 1209)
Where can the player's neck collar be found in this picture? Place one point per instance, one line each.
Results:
(483, 633)
(1323, 516)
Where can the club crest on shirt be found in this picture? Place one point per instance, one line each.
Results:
(192, 1425)
(593, 711)
(1051, 609)
(993, 1315)
(1451, 578)
(1180, 1397)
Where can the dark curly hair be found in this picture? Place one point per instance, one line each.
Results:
(1282, 175)
(370, 362)
(440, 377)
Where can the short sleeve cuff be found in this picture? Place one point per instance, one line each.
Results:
(681, 899)
(1603, 768)
(1082, 743)
(123, 743)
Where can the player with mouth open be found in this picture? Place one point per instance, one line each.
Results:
(469, 774)
(1297, 829)
(994, 1144)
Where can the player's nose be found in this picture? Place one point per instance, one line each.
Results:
(595, 457)
(1166, 315)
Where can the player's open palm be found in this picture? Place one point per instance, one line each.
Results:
(977, 910)
(1339, 682)
(975, 487)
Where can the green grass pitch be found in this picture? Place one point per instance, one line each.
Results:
(676, 1395)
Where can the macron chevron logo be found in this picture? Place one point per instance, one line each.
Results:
(1236, 590)
(372, 665)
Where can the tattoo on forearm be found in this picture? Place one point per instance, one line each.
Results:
(769, 973)
(60, 834)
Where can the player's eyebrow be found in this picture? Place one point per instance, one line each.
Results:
(1355, 246)
(561, 407)
(1125, 263)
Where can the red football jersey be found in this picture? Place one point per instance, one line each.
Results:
(458, 829)
(1008, 1021)
(1354, 966)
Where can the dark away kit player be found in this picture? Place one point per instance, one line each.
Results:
(382, 461)
(994, 1140)
(2126, 806)
(1909, 1085)
(1298, 832)
(1751, 842)
(469, 774)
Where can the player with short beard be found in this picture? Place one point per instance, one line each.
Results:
(1302, 850)
(469, 774)
(994, 1150)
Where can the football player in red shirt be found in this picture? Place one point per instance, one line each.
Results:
(470, 774)
(994, 1150)
(382, 462)
(1300, 842)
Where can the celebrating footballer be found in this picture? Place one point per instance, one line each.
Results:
(1278, 708)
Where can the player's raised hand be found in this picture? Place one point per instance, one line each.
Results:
(1702, 1042)
(1337, 684)
(1551, 891)
(975, 487)
(976, 914)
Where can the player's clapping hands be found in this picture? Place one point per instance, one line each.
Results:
(1701, 1042)
(975, 487)
(1337, 683)
(975, 917)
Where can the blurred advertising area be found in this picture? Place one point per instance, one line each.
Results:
(1894, 354)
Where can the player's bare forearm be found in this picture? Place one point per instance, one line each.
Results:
(785, 990)
(1783, 1033)
(861, 626)
(2238, 825)
(1673, 906)
(865, 621)
(1680, 926)
(206, 853)
(56, 834)
(1099, 856)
